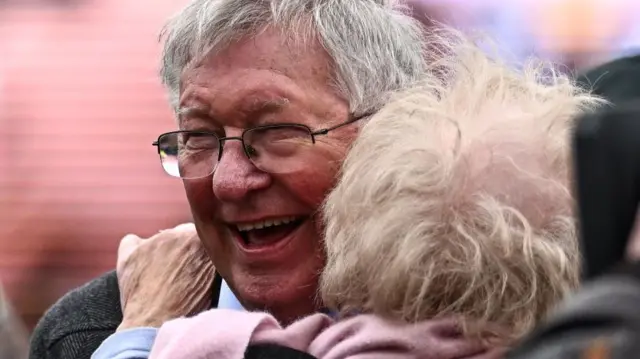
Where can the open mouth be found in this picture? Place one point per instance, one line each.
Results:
(265, 233)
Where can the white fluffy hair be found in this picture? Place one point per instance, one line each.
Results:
(375, 45)
(455, 199)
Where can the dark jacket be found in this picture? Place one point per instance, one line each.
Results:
(603, 319)
(618, 81)
(79, 322)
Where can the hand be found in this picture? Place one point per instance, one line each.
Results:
(164, 277)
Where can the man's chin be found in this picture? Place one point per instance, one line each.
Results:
(284, 284)
(285, 299)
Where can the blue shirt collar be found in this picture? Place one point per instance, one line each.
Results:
(227, 299)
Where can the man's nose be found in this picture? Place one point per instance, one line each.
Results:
(236, 176)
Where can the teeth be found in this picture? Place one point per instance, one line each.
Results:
(265, 224)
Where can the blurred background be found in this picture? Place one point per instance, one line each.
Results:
(80, 105)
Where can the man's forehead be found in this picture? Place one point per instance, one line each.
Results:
(269, 49)
(259, 74)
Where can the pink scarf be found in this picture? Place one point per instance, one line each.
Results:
(225, 334)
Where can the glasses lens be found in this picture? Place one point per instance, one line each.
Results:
(279, 149)
(188, 155)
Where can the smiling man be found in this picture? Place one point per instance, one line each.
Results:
(258, 160)
(268, 96)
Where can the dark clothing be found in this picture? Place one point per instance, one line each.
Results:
(618, 81)
(607, 183)
(273, 351)
(604, 317)
(79, 322)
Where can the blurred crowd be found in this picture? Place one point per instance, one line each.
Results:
(80, 103)
(576, 33)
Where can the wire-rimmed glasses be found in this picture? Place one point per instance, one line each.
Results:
(280, 148)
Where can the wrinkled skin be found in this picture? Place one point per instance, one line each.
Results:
(163, 277)
(225, 84)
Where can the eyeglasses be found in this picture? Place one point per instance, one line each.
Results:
(281, 148)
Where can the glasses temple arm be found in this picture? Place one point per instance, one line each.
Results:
(324, 131)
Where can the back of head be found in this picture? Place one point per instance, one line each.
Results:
(455, 199)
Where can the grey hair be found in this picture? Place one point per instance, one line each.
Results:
(455, 199)
(375, 45)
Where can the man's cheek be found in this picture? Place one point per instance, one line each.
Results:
(200, 196)
(312, 186)
(312, 183)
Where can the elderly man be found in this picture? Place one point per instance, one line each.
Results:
(280, 86)
(470, 196)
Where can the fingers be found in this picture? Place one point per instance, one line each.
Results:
(163, 277)
(131, 242)
(185, 234)
(185, 227)
(181, 229)
(128, 245)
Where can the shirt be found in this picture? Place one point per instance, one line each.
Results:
(136, 343)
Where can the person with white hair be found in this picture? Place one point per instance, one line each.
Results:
(450, 233)
(245, 78)
(460, 192)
